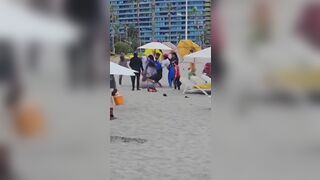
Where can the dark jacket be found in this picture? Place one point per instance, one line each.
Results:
(112, 82)
(136, 64)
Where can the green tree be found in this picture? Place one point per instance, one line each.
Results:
(122, 47)
(116, 31)
(132, 32)
(133, 36)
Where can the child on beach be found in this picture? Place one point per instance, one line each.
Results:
(192, 70)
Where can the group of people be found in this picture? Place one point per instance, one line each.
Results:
(151, 69)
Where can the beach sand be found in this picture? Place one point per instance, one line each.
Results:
(158, 137)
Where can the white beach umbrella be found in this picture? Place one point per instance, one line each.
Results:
(155, 45)
(116, 69)
(21, 23)
(203, 56)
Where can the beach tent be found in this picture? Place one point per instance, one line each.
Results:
(155, 45)
(20, 23)
(116, 69)
(203, 56)
(186, 47)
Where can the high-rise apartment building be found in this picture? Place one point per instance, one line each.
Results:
(164, 20)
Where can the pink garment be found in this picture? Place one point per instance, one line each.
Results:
(177, 71)
(309, 24)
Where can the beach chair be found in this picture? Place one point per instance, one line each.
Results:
(196, 84)
(206, 78)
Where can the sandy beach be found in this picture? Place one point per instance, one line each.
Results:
(160, 137)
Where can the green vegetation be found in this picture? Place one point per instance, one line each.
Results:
(122, 47)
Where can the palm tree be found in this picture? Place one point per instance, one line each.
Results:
(115, 24)
(116, 29)
(137, 2)
(195, 14)
(207, 36)
(113, 18)
(169, 6)
(132, 36)
(153, 18)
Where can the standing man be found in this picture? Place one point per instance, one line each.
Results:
(136, 64)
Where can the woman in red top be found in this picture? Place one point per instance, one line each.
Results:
(177, 82)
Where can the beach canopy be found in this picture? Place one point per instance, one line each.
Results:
(170, 45)
(116, 69)
(155, 45)
(20, 23)
(186, 47)
(203, 55)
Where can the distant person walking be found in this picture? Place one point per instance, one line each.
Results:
(123, 63)
(136, 64)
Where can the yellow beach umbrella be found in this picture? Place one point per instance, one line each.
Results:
(148, 52)
(186, 47)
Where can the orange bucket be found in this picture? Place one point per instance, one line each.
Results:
(119, 100)
(29, 120)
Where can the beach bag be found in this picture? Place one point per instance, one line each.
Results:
(118, 100)
(179, 83)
